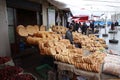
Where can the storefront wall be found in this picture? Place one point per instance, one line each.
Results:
(115, 17)
(4, 39)
(44, 12)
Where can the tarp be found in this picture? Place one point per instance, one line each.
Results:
(80, 18)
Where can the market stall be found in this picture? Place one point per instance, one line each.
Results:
(89, 75)
(86, 61)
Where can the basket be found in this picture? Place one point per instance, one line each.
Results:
(35, 78)
(43, 71)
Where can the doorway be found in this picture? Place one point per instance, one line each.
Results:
(26, 17)
(20, 17)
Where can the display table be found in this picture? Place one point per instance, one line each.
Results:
(68, 67)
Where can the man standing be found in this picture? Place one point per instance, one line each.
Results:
(69, 35)
(112, 26)
(92, 26)
(116, 23)
(84, 28)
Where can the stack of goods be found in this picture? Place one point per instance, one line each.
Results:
(14, 73)
(52, 44)
(67, 57)
(102, 42)
(59, 29)
(77, 37)
(42, 28)
(9, 71)
(32, 29)
(92, 46)
(91, 62)
(26, 31)
(112, 65)
(23, 77)
(29, 30)
(62, 50)
(92, 37)
(90, 42)
(43, 36)
(47, 35)
(21, 30)
(3, 60)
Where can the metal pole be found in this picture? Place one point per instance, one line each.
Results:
(106, 23)
(114, 28)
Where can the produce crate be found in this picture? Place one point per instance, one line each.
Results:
(43, 71)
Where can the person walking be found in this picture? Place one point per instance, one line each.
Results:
(116, 23)
(112, 26)
(84, 28)
(92, 26)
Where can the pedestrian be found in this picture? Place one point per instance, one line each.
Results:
(74, 25)
(92, 26)
(116, 23)
(69, 35)
(84, 28)
(112, 26)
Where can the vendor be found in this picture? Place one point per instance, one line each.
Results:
(69, 35)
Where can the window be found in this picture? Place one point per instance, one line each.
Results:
(10, 12)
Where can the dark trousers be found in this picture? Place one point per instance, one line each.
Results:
(84, 32)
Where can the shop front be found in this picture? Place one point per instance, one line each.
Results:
(21, 13)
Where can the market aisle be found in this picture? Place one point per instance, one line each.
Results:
(110, 36)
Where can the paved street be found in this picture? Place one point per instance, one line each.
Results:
(110, 36)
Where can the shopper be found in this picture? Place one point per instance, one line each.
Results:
(79, 29)
(116, 23)
(112, 26)
(74, 25)
(69, 35)
(84, 28)
(68, 23)
(79, 24)
(92, 26)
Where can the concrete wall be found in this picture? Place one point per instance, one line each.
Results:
(44, 10)
(44, 13)
(115, 17)
(4, 39)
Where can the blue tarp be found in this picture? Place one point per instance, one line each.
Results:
(101, 23)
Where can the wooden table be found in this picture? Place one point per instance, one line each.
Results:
(68, 67)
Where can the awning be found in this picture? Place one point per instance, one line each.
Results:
(80, 18)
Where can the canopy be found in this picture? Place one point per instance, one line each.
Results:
(80, 18)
